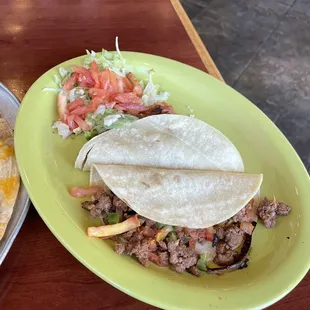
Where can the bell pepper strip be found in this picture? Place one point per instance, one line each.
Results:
(79, 192)
(210, 231)
(115, 229)
(163, 233)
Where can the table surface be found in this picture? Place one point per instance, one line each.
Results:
(36, 35)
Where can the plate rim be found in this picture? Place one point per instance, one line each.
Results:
(7, 240)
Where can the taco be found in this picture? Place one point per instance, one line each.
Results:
(178, 197)
(171, 190)
(163, 141)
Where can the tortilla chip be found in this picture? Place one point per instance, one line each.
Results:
(9, 176)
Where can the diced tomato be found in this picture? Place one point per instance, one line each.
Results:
(210, 231)
(136, 85)
(81, 70)
(79, 192)
(104, 79)
(103, 93)
(110, 105)
(74, 104)
(84, 78)
(96, 102)
(128, 98)
(83, 110)
(113, 80)
(71, 123)
(69, 84)
(81, 123)
(120, 84)
(86, 81)
(118, 107)
(94, 71)
(128, 86)
(62, 106)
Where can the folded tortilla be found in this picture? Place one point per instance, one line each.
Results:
(179, 197)
(9, 176)
(163, 141)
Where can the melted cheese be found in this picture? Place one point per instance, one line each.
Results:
(6, 151)
(8, 187)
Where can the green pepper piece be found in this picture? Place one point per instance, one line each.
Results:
(159, 225)
(202, 262)
(113, 218)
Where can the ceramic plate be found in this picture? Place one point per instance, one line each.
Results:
(279, 258)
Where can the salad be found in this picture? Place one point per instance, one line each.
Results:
(103, 94)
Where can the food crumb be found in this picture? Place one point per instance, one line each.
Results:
(220, 298)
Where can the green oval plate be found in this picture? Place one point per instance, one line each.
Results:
(279, 258)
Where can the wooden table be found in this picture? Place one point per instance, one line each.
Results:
(39, 273)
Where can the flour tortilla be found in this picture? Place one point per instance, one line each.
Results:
(179, 197)
(163, 141)
(9, 176)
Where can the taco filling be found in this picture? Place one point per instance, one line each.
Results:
(221, 248)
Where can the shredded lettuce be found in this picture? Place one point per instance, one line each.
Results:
(109, 120)
(63, 72)
(77, 92)
(191, 111)
(150, 92)
(103, 118)
(106, 118)
(114, 61)
(100, 110)
(57, 80)
(63, 129)
(57, 90)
